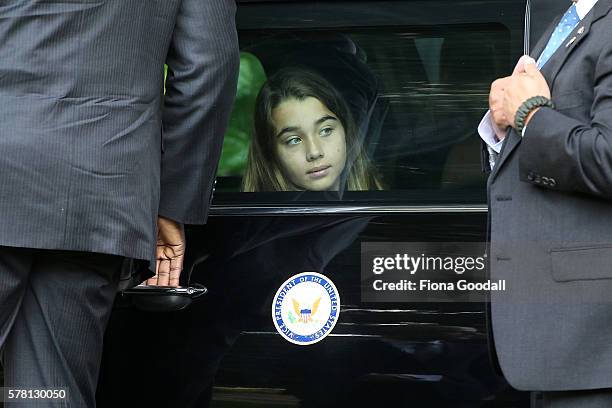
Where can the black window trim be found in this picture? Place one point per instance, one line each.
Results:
(266, 210)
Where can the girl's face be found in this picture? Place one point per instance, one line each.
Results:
(310, 144)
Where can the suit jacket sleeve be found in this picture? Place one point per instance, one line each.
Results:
(576, 155)
(203, 62)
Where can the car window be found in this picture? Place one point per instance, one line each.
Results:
(364, 101)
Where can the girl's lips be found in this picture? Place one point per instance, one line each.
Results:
(319, 172)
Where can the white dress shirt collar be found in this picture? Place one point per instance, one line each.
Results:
(584, 6)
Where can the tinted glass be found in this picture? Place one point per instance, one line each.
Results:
(414, 76)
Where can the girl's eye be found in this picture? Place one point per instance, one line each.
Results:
(293, 141)
(326, 131)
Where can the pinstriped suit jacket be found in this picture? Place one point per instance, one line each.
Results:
(90, 149)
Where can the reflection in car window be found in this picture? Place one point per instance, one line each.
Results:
(305, 138)
(416, 95)
(238, 134)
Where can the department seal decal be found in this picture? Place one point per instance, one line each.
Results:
(306, 308)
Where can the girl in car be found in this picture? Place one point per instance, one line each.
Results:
(305, 138)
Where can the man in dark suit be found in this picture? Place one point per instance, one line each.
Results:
(550, 214)
(97, 166)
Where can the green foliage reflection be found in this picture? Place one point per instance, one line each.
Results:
(238, 135)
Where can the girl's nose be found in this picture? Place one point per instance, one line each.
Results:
(314, 151)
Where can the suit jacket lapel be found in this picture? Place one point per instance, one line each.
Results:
(512, 140)
(558, 59)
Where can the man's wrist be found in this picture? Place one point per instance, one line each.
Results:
(500, 133)
(486, 131)
(527, 109)
(530, 115)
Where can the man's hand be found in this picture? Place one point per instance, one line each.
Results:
(170, 253)
(523, 84)
(499, 118)
(496, 106)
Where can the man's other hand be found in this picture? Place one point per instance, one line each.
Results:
(170, 253)
(523, 84)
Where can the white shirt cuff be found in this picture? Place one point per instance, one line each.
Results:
(523, 131)
(487, 133)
